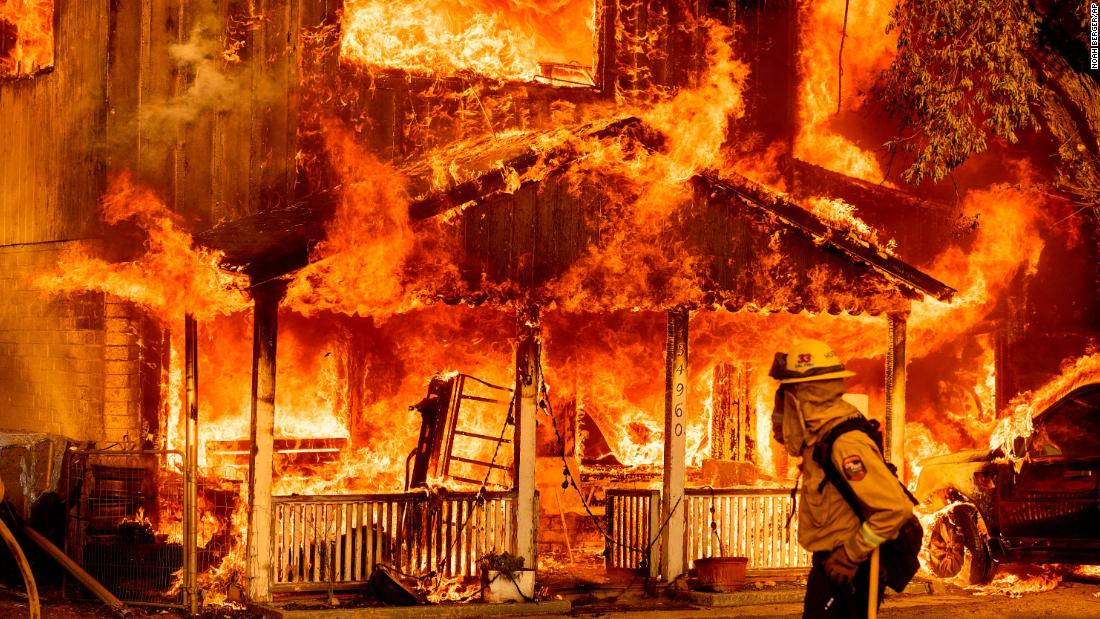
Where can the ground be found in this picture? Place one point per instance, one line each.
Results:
(1069, 599)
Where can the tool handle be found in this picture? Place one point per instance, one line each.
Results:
(872, 593)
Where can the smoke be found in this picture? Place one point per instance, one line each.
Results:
(213, 82)
(212, 88)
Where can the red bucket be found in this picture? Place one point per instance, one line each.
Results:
(721, 574)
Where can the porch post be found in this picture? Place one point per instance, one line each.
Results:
(528, 383)
(264, 336)
(190, 463)
(895, 391)
(672, 505)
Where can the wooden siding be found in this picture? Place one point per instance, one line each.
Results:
(63, 130)
(50, 125)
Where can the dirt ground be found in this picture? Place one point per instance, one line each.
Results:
(1068, 599)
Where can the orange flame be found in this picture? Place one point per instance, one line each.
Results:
(842, 216)
(492, 38)
(32, 48)
(1075, 373)
(358, 268)
(187, 278)
(1008, 244)
(644, 189)
(867, 51)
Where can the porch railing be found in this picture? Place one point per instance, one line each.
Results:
(633, 520)
(749, 522)
(323, 542)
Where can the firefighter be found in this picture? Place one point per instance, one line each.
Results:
(808, 405)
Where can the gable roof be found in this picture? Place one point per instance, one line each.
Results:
(527, 236)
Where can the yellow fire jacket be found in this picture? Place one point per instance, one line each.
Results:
(825, 520)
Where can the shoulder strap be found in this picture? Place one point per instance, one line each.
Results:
(823, 455)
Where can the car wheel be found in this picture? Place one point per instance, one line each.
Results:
(981, 564)
(946, 547)
(956, 547)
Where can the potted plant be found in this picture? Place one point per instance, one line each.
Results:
(503, 578)
(723, 573)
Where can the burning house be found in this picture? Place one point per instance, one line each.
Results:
(301, 289)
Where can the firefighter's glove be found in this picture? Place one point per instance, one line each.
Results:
(840, 568)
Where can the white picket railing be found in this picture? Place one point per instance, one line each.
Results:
(322, 542)
(748, 522)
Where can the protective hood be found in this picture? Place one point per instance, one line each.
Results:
(810, 409)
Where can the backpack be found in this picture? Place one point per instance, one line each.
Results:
(898, 557)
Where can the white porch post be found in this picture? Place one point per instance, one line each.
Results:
(895, 391)
(265, 327)
(528, 383)
(675, 470)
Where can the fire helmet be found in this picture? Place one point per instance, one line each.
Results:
(807, 360)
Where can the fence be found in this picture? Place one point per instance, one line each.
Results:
(334, 542)
(749, 522)
(633, 519)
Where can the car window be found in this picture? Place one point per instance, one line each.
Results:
(1070, 429)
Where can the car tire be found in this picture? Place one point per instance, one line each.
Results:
(957, 549)
(946, 549)
(981, 564)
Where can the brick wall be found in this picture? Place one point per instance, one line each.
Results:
(69, 364)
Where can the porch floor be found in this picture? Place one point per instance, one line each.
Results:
(442, 611)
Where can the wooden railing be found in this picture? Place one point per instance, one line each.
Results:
(633, 521)
(750, 522)
(322, 542)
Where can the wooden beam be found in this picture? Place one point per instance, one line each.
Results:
(264, 336)
(528, 384)
(500, 177)
(895, 391)
(675, 469)
(904, 276)
(723, 418)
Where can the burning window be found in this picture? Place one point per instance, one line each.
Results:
(26, 37)
(501, 39)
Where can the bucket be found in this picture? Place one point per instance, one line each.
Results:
(721, 574)
(502, 588)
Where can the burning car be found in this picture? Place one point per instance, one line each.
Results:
(1034, 498)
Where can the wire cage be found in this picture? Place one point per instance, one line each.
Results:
(124, 526)
(220, 531)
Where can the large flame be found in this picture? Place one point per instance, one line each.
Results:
(636, 265)
(825, 136)
(360, 338)
(492, 38)
(28, 24)
(171, 277)
(358, 268)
